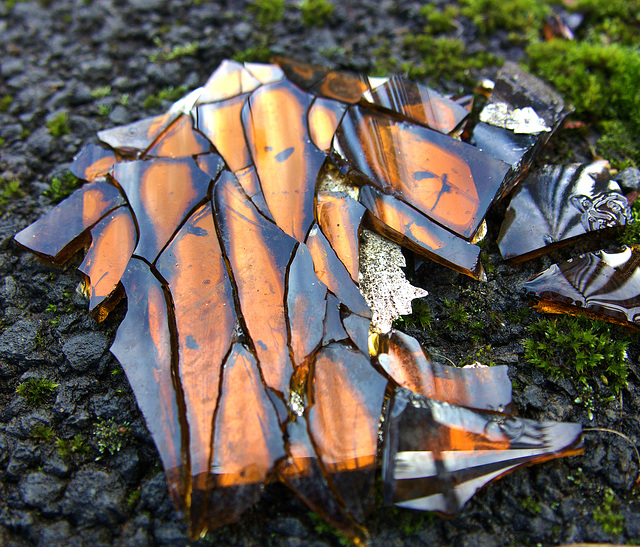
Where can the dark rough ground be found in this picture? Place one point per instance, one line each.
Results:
(51, 58)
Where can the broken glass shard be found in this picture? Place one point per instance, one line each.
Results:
(93, 161)
(557, 204)
(135, 138)
(179, 140)
(601, 285)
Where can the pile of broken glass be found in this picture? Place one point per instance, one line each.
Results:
(255, 229)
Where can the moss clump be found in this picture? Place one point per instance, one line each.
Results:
(631, 233)
(439, 21)
(167, 94)
(60, 188)
(514, 15)
(607, 514)
(76, 445)
(610, 20)
(260, 53)
(5, 102)
(267, 12)
(110, 436)
(36, 390)
(9, 189)
(59, 125)
(316, 12)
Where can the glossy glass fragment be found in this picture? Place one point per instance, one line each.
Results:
(211, 164)
(418, 103)
(112, 242)
(258, 253)
(438, 455)
(556, 204)
(340, 216)
(333, 329)
(448, 180)
(483, 388)
(179, 140)
(346, 87)
(303, 75)
(602, 285)
(324, 118)
(135, 138)
(264, 73)
(287, 164)
(160, 192)
(401, 223)
(229, 80)
(248, 179)
(86, 206)
(92, 161)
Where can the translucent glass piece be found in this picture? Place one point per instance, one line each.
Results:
(161, 193)
(340, 217)
(76, 214)
(275, 123)
(346, 87)
(324, 118)
(248, 179)
(258, 253)
(143, 348)
(92, 161)
(211, 164)
(556, 204)
(303, 75)
(406, 226)
(112, 242)
(265, 74)
(229, 80)
(132, 139)
(202, 298)
(419, 103)
(333, 329)
(179, 140)
(449, 181)
(485, 388)
(222, 125)
(438, 455)
(602, 285)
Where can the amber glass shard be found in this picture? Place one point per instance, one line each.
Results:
(132, 139)
(346, 87)
(333, 274)
(143, 348)
(438, 455)
(112, 242)
(486, 388)
(324, 118)
(80, 211)
(346, 397)
(303, 75)
(92, 161)
(301, 472)
(404, 225)
(179, 140)
(553, 206)
(229, 80)
(419, 103)
(358, 330)
(202, 297)
(275, 122)
(247, 440)
(258, 253)
(221, 123)
(450, 181)
(265, 74)
(161, 192)
(603, 285)
(306, 305)
(248, 179)
(333, 329)
(211, 164)
(339, 217)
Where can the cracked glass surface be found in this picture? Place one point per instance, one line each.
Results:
(255, 230)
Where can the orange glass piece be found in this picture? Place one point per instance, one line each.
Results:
(437, 455)
(303, 75)
(92, 161)
(211, 164)
(86, 206)
(403, 224)
(324, 119)
(333, 328)
(342, 86)
(339, 217)
(247, 439)
(112, 242)
(265, 74)
(229, 80)
(600, 285)
(258, 253)
(275, 123)
(161, 193)
(487, 388)
(451, 182)
(179, 140)
(222, 125)
(205, 316)
(346, 402)
(135, 138)
(418, 103)
(333, 274)
(143, 348)
(248, 179)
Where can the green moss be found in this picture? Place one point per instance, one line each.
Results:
(101, 92)
(133, 498)
(169, 94)
(610, 20)
(456, 317)
(322, 527)
(176, 52)
(618, 144)
(631, 233)
(110, 436)
(41, 432)
(316, 12)
(76, 445)
(267, 12)
(5, 102)
(439, 21)
(9, 189)
(514, 15)
(104, 110)
(607, 514)
(256, 54)
(36, 390)
(60, 188)
(59, 125)
(421, 316)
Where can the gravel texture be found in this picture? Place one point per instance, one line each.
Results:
(79, 467)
